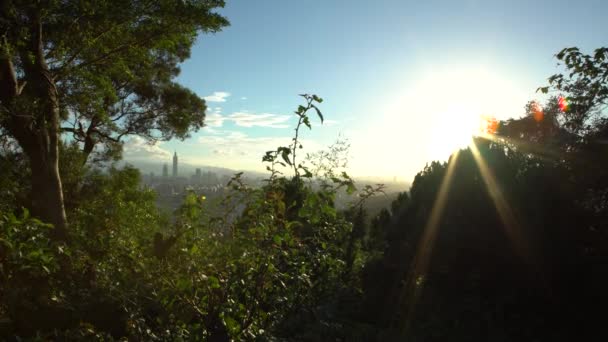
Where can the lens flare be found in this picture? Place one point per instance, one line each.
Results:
(537, 112)
(563, 104)
(489, 125)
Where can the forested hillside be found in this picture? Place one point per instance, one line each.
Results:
(505, 241)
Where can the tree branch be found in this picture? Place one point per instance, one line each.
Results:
(116, 50)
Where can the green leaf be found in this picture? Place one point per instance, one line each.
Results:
(307, 173)
(306, 121)
(194, 249)
(231, 324)
(318, 113)
(214, 283)
(350, 188)
(285, 152)
(269, 156)
(543, 90)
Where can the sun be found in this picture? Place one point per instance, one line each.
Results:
(452, 130)
(461, 103)
(434, 113)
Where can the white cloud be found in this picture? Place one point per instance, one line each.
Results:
(245, 119)
(217, 96)
(239, 150)
(137, 148)
(238, 143)
(210, 130)
(244, 98)
(214, 119)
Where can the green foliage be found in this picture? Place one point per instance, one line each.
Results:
(289, 153)
(261, 269)
(29, 260)
(14, 186)
(26, 248)
(584, 85)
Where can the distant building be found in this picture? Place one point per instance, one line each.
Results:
(175, 164)
(196, 177)
(165, 170)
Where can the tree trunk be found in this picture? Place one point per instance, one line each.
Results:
(47, 192)
(41, 144)
(36, 126)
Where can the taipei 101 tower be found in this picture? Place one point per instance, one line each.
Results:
(175, 164)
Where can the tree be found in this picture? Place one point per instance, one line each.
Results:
(99, 71)
(583, 90)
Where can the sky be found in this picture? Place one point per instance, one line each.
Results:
(403, 81)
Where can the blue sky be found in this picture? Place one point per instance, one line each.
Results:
(396, 76)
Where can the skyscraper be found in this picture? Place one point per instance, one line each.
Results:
(175, 164)
(165, 170)
(196, 177)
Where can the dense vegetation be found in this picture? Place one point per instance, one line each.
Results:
(505, 241)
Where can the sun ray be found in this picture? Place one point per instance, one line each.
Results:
(504, 210)
(541, 151)
(420, 264)
(415, 281)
